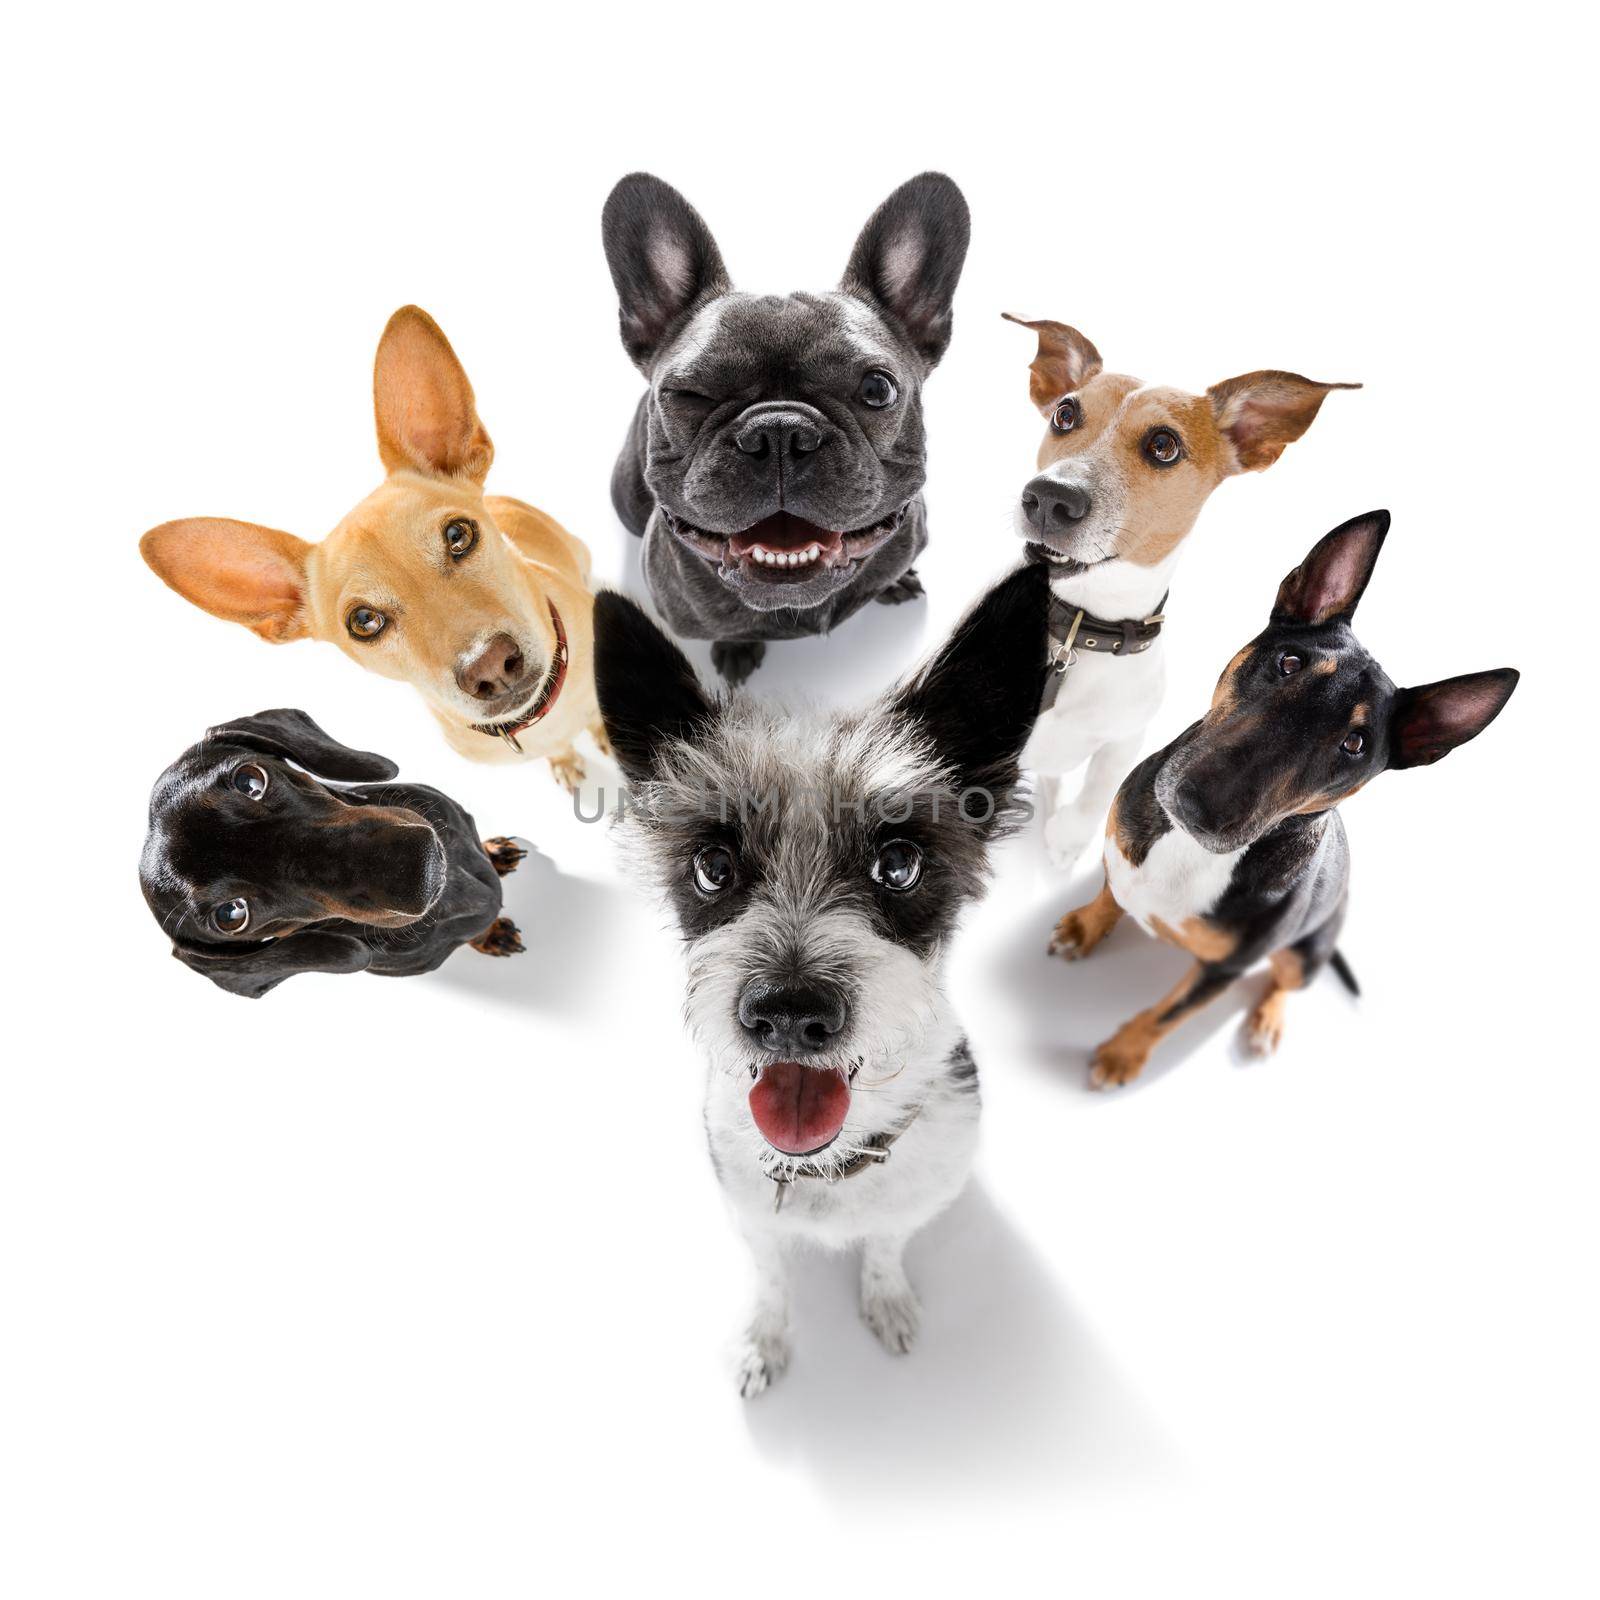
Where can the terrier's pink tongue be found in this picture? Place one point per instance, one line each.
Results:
(799, 1109)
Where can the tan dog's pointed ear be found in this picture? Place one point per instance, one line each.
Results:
(1065, 361)
(235, 570)
(427, 418)
(1261, 412)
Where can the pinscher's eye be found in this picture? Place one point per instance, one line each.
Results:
(1163, 447)
(898, 865)
(250, 780)
(1289, 664)
(233, 916)
(878, 390)
(1354, 743)
(460, 536)
(1066, 416)
(365, 623)
(713, 869)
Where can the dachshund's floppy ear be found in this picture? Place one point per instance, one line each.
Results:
(293, 734)
(253, 971)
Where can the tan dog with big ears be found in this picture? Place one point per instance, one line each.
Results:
(478, 601)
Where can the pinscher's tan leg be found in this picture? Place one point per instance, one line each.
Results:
(566, 767)
(1080, 931)
(1264, 1028)
(1122, 1057)
(597, 732)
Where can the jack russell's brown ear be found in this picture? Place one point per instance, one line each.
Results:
(1065, 361)
(238, 571)
(427, 416)
(1259, 413)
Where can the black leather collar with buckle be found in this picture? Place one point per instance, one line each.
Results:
(547, 696)
(1073, 629)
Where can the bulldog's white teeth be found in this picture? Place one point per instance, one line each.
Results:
(785, 559)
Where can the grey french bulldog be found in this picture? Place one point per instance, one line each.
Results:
(775, 464)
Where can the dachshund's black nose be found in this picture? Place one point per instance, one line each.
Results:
(778, 433)
(791, 1019)
(495, 670)
(1052, 506)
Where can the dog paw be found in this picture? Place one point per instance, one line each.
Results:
(567, 770)
(500, 938)
(908, 586)
(759, 1364)
(1263, 1029)
(1066, 837)
(736, 661)
(893, 1315)
(601, 742)
(505, 855)
(1116, 1064)
(1073, 938)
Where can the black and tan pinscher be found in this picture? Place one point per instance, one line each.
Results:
(1227, 843)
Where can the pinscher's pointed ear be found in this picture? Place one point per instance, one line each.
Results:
(1259, 413)
(426, 413)
(1328, 584)
(291, 733)
(1430, 721)
(648, 692)
(978, 698)
(1064, 361)
(908, 259)
(663, 262)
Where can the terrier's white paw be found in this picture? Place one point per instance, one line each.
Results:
(759, 1363)
(1066, 836)
(893, 1315)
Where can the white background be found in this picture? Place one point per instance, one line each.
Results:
(424, 1287)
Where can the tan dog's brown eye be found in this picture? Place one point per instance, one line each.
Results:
(250, 780)
(1288, 665)
(1354, 744)
(365, 623)
(1163, 447)
(232, 917)
(1066, 416)
(460, 536)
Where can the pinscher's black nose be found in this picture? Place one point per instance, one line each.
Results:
(790, 1019)
(1052, 506)
(1195, 809)
(778, 432)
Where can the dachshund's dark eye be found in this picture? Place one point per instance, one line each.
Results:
(1163, 447)
(250, 780)
(1289, 664)
(1066, 416)
(713, 869)
(898, 865)
(878, 390)
(232, 917)
(365, 623)
(460, 535)
(1354, 743)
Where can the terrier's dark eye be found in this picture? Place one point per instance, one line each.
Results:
(1163, 447)
(878, 390)
(1289, 664)
(460, 535)
(1354, 743)
(713, 869)
(250, 780)
(233, 917)
(898, 865)
(365, 623)
(1066, 416)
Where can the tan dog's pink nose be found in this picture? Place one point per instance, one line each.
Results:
(494, 671)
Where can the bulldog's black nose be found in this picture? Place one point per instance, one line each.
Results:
(778, 432)
(791, 1019)
(1052, 506)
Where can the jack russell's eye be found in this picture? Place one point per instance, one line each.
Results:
(878, 391)
(365, 623)
(1354, 743)
(250, 780)
(231, 917)
(1066, 416)
(713, 869)
(460, 536)
(1163, 446)
(898, 865)
(1289, 664)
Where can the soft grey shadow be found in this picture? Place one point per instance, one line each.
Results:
(1006, 1390)
(564, 922)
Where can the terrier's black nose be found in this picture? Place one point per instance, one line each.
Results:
(781, 433)
(791, 1019)
(1052, 506)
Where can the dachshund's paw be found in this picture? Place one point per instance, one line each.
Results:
(505, 855)
(1117, 1062)
(908, 586)
(1076, 935)
(1263, 1029)
(893, 1315)
(500, 938)
(736, 661)
(760, 1361)
(567, 770)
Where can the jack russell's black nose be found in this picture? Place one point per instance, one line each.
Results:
(792, 1019)
(779, 432)
(494, 671)
(1052, 506)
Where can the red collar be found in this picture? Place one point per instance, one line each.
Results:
(547, 696)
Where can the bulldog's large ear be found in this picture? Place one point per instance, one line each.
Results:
(1430, 721)
(1261, 412)
(293, 734)
(978, 698)
(238, 571)
(1064, 361)
(648, 692)
(663, 262)
(427, 415)
(909, 256)
(253, 971)
(1329, 583)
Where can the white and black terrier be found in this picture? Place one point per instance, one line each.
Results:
(817, 864)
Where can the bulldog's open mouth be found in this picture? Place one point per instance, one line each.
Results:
(784, 548)
(554, 680)
(799, 1109)
(1067, 566)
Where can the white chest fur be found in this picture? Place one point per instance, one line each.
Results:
(1104, 699)
(1177, 880)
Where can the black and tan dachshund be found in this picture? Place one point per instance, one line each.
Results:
(258, 870)
(1227, 843)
